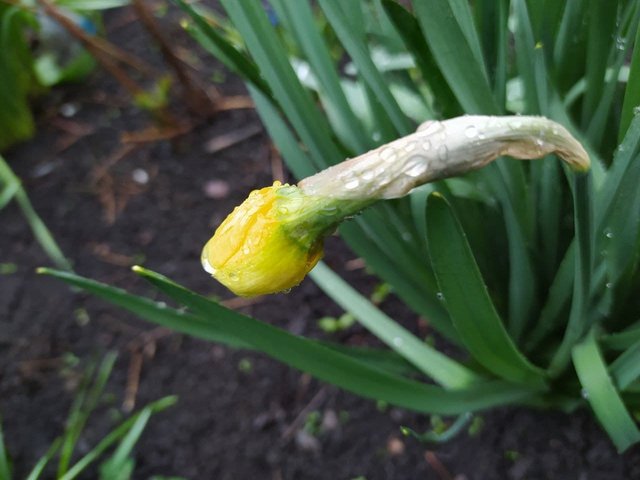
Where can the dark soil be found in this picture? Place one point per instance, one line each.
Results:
(240, 415)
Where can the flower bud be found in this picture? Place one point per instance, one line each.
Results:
(274, 238)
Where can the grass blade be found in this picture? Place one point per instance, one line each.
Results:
(602, 395)
(120, 461)
(42, 463)
(114, 436)
(220, 47)
(602, 27)
(408, 27)
(270, 55)
(626, 368)
(5, 469)
(456, 50)
(296, 158)
(84, 404)
(632, 92)
(468, 300)
(583, 268)
(299, 20)
(39, 229)
(446, 372)
(355, 45)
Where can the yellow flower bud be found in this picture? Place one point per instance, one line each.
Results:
(271, 241)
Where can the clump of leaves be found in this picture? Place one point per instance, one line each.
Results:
(527, 268)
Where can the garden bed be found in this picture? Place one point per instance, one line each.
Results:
(240, 415)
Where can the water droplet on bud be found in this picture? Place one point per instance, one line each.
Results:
(471, 131)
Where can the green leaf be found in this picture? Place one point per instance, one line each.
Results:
(355, 45)
(296, 158)
(626, 368)
(325, 363)
(115, 435)
(602, 395)
(445, 371)
(121, 462)
(216, 44)
(270, 55)
(408, 27)
(92, 5)
(379, 260)
(598, 121)
(468, 300)
(5, 470)
(632, 93)
(602, 27)
(152, 311)
(44, 460)
(448, 28)
(87, 398)
(39, 229)
(578, 325)
(298, 17)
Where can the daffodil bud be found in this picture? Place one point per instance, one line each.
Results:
(274, 238)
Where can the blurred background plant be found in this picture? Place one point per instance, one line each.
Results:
(526, 271)
(120, 464)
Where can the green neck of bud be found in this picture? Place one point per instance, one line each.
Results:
(307, 219)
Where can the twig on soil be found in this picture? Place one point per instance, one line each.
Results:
(229, 139)
(437, 465)
(197, 98)
(133, 381)
(313, 404)
(141, 347)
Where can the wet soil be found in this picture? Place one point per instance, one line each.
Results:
(240, 415)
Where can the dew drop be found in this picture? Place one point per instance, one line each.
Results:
(440, 296)
(397, 341)
(417, 167)
(609, 285)
(246, 250)
(608, 233)
(471, 131)
(410, 147)
(161, 305)
(430, 127)
(329, 211)
(387, 154)
(207, 266)
(286, 290)
(443, 153)
(584, 393)
(352, 184)
(367, 175)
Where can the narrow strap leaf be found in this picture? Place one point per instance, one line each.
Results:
(602, 395)
(467, 299)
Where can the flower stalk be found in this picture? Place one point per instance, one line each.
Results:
(272, 240)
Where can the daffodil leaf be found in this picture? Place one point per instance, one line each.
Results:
(466, 298)
(602, 394)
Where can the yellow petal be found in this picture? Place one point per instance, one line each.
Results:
(254, 251)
